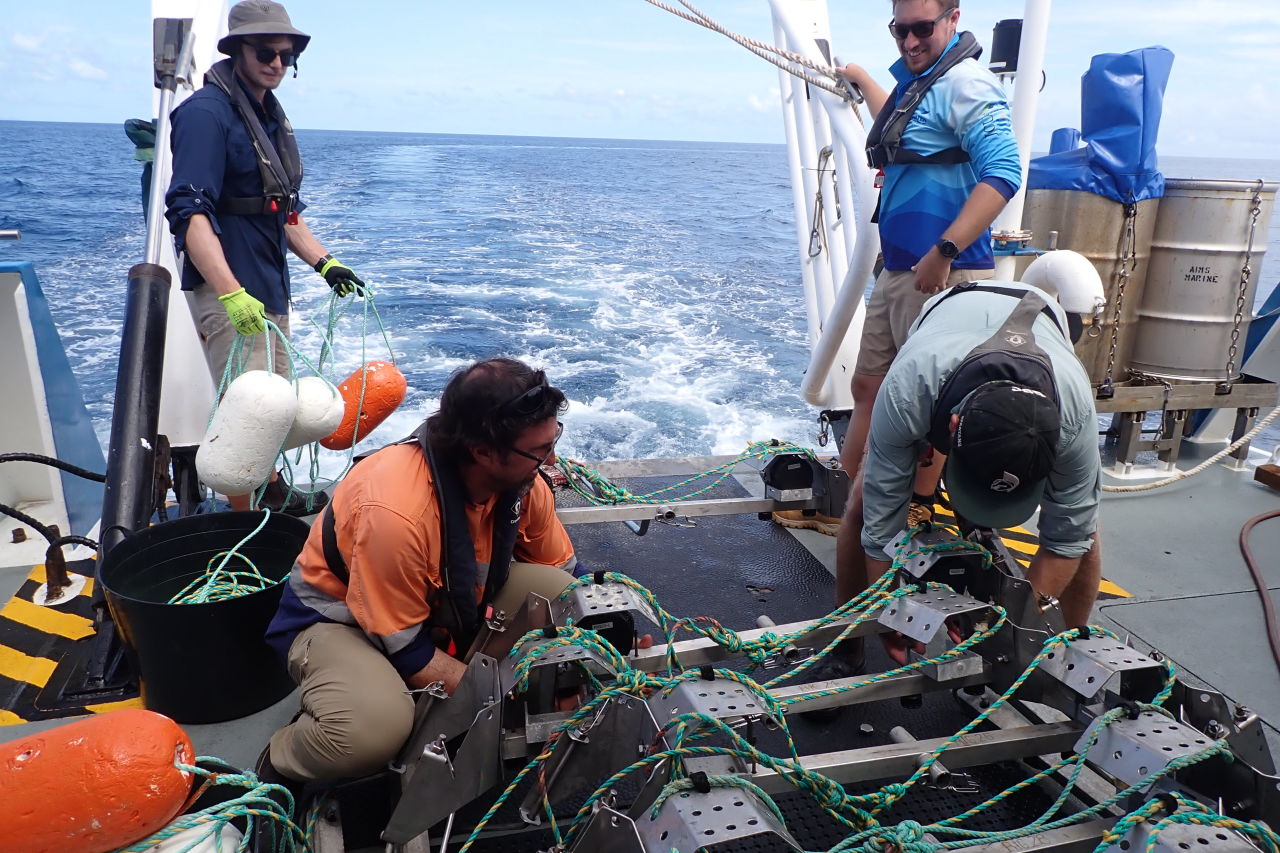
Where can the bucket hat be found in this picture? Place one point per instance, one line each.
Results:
(259, 18)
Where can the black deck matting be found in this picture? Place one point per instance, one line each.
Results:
(735, 568)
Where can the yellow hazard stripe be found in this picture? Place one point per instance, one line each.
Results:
(47, 620)
(1114, 589)
(107, 707)
(19, 667)
(38, 575)
(8, 718)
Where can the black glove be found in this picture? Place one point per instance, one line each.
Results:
(339, 276)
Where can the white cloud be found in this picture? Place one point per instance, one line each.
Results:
(25, 42)
(86, 70)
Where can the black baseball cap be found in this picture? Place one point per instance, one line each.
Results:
(1002, 452)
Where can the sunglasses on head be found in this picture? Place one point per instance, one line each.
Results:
(527, 403)
(267, 55)
(919, 29)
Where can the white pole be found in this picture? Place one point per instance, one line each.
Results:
(1026, 98)
(799, 203)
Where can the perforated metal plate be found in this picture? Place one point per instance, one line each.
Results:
(690, 821)
(719, 698)
(921, 615)
(1086, 666)
(596, 598)
(1179, 838)
(1131, 750)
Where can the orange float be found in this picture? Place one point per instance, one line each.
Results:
(94, 785)
(384, 390)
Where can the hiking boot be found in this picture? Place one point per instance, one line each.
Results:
(796, 519)
(267, 833)
(274, 499)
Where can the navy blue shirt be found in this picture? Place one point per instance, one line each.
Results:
(213, 156)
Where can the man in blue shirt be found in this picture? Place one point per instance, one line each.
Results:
(233, 203)
(943, 142)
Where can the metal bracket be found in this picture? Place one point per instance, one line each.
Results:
(430, 795)
(617, 735)
(921, 615)
(593, 599)
(608, 831)
(1181, 837)
(1130, 750)
(920, 564)
(721, 698)
(1088, 666)
(692, 821)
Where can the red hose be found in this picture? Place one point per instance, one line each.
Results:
(1268, 609)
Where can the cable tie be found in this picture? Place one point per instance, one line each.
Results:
(707, 672)
(701, 783)
(1082, 633)
(550, 632)
(597, 577)
(1167, 801)
(1131, 709)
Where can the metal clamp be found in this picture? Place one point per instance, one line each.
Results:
(434, 689)
(1087, 666)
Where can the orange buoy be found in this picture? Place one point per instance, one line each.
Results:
(384, 390)
(94, 785)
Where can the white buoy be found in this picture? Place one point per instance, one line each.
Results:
(240, 446)
(320, 411)
(226, 838)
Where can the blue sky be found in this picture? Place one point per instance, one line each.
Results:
(623, 68)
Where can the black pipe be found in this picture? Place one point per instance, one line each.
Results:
(127, 500)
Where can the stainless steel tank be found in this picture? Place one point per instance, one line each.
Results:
(1098, 228)
(1195, 301)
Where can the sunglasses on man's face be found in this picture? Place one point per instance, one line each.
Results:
(541, 460)
(267, 55)
(919, 29)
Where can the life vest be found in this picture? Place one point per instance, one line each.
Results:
(278, 161)
(884, 141)
(1010, 354)
(455, 618)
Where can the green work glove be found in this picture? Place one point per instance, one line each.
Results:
(339, 276)
(244, 312)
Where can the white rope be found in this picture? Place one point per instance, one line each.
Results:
(1203, 466)
(762, 49)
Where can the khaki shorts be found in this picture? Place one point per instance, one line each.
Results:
(894, 305)
(217, 335)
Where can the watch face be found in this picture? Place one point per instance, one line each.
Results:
(947, 249)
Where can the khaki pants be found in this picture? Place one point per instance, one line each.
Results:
(893, 307)
(217, 334)
(356, 714)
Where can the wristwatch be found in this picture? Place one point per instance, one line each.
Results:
(947, 249)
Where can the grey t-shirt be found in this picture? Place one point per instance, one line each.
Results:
(904, 408)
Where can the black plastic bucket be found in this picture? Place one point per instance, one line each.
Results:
(201, 663)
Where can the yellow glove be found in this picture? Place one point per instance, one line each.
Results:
(244, 312)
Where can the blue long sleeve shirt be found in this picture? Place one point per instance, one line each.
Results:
(966, 107)
(213, 156)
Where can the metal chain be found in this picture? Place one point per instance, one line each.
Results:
(1128, 262)
(1246, 272)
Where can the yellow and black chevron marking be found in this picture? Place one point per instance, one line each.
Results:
(1023, 544)
(33, 639)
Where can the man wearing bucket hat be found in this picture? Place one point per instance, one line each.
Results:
(233, 203)
(989, 377)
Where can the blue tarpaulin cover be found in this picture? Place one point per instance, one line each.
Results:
(1121, 96)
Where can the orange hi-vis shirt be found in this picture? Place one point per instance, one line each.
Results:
(388, 529)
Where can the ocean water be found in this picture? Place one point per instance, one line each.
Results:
(657, 282)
